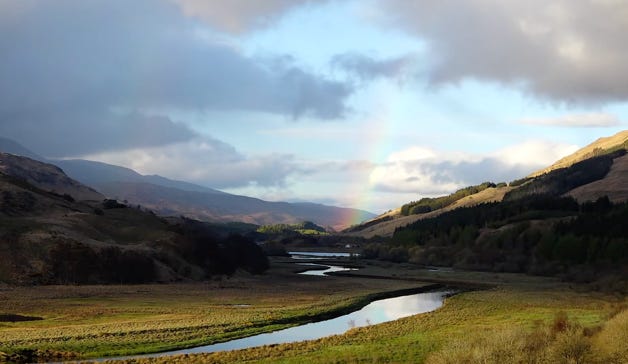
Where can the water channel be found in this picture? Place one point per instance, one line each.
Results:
(376, 312)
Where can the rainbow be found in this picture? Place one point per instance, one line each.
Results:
(377, 147)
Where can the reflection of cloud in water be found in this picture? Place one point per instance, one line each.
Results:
(395, 308)
(407, 306)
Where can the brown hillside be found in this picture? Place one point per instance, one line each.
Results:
(614, 185)
(589, 151)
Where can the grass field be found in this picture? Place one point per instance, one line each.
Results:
(517, 312)
(94, 321)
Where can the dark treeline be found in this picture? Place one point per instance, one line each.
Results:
(538, 234)
(198, 251)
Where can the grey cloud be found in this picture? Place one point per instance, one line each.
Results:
(63, 134)
(79, 60)
(564, 50)
(209, 162)
(472, 173)
(367, 68)
(239, 16)
(437, 177)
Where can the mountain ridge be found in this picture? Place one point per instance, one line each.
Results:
(599, 146)
(123, 184)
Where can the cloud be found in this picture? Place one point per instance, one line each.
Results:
(428, 172)
(206, 161)
(367, 68)
(239, 16)
(592, 120)
(561, 50)
(63, 134)
(62, 72)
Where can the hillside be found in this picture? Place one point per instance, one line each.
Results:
(601, 145)
(614, 184)
(46, 176)
(567, 221)
(47, 238)
(601, 170)
(386, 224)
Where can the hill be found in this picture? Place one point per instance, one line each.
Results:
(598, 147)
(567, 221)
(46, 176)
(48, 238)
(178, 198)
(386, 224)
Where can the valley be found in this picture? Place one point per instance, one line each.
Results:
(539, 262)
(325, 182)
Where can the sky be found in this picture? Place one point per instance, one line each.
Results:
(357, 103)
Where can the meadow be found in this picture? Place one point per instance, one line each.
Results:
(545, 319)
(519, 319)
(96, 321)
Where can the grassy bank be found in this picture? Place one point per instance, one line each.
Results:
(95, 321)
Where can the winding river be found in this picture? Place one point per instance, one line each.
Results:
(376, 312)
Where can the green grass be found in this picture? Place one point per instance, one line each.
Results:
(95, 321)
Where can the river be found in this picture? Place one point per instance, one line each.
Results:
(376, 312)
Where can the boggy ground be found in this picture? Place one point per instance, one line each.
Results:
(514, 318)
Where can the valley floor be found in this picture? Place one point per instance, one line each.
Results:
(549, 319)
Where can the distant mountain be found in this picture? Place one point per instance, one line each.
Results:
(173, 198)
(223, 207)
(13, 147)
(46, 177)
(597, 170)
(97, 173)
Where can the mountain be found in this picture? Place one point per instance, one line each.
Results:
(223, 207)
(49, 238)
(598, 170)
(97, 173)
(13, 147)
(175, 198)
(45, 176)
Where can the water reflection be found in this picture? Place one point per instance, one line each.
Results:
(322, 272)
(374, 313)
(320, 255)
